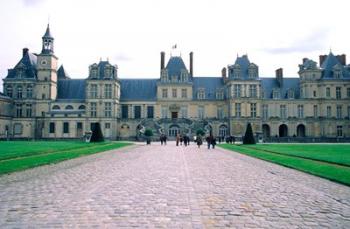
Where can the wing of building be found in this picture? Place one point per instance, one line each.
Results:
(42, 101)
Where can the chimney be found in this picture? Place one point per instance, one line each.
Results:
(24, 51)
(162, 58)
(342, 59)
(279, 77)
(322, 59)
(223, 72)
(191, 64)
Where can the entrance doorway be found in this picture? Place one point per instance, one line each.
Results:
(283, 130)
(174, 130)
(174, 114)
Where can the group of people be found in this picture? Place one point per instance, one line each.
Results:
(182, 138)
(211, 141)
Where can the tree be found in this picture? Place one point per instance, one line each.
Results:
(97, 135)
(200, 132)
(249, 136)
(148, 133)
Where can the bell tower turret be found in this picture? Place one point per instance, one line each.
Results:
(47, 47)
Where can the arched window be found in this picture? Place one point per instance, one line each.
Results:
(301, 130)
(223, 131)
(174, 130)
(82, 107)
(69, 107)
(283, 130)
(56, 107)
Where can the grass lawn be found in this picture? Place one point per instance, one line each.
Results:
(331, 161)
(20, 155)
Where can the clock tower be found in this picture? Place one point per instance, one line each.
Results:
(47, 69)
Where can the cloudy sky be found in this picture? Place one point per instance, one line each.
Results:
(132, 33)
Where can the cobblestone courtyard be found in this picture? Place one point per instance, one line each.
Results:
(170, 187)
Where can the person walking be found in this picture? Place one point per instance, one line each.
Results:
(199, 141)
(161, 138)
(177, 139)
(208, 140)
(164, 139)
(213, 142)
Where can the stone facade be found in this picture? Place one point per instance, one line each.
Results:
(40, 100)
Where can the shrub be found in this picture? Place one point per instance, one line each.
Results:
(97, 135)
(249, 136)
(148, 133)
(200, 132)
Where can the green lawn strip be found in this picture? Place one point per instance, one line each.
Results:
(300, 154)
(334, 153)
(38, 160)
(16, 149)
(332, 172)
(29, 154)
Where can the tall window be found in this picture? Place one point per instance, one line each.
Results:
(150, 112)
(253, 110)
(29, 92)
(137, 111)
(165, 93)
(348, 112)
(339, 111)
(174, 93)
(29, 110)
(237, 110)
(52, 128)
(19, 92)
(315, 111)
(328, 92)
(236, 90)
(338, 92)
(9, 91)
(184, 93)
(220, 94)
(108, 109)
(220, 113)
(329, 111)
(183, 112)
(348, 92)
(93, 109)
(283, 111)
(200, 112)
(93, 91)
(66, 127)
(252, 91)
(19, 110)
(300, 111)
(339, 131)
(164, 112)
(108, 91)
(276, 93)
(265, 109)
(125, 111)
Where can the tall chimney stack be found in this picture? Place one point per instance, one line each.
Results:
(322, 59)
(24, 51)
(162, 59)
(342, 59)
(191, 64)
(223, 72)
(279, 77)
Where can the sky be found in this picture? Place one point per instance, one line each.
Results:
(132, 33)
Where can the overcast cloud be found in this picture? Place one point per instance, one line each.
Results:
(132, 33)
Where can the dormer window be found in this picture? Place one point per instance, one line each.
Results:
(108, 72)
(164, 75)
(93, 73)
(20, 72)
(337, 74)
(237, 71)
(184, 76)
(253, 71)
(276, 94)
(220, 94)
(290, 94)
(201, 93)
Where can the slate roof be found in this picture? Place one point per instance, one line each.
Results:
(28, 62)
(329, 63)
(62, 74)
(210, 84)
(3, 96)
(138, 89)
(175, 65)
(48, 33)
(268, 84)
(73, 89)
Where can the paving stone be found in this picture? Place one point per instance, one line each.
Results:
(170, 187)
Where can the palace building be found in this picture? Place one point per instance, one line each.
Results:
(41, 101)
